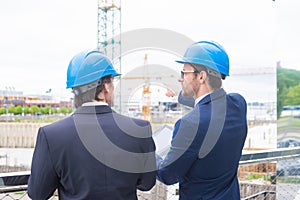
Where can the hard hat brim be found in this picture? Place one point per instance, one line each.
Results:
(180, 61)
(117, 74)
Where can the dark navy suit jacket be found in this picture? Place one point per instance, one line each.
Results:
(206, 147)
(93, 154)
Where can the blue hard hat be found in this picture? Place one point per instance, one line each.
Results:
(87, 67)
(209, 54)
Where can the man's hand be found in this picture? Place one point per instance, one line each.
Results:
(170, 93)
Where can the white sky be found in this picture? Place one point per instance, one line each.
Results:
(38, 38)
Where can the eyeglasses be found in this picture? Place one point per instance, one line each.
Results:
(187, 71)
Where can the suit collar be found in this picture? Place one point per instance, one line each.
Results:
(93, 109)
(213, 96)
(200, 98)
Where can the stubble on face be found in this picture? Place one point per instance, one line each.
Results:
(187, 89)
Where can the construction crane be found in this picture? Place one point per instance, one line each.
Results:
(146, 98)
(109, 27)
(108, 37)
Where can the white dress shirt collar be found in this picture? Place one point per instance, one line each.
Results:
(200, 98)
(94, 103)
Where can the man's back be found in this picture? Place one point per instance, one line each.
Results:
(206, 149)
(213, 176)
(86, 156)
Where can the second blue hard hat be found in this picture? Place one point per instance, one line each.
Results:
(87, 67)
(209, 54)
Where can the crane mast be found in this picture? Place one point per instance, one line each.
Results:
(146, 98)
(109, 36)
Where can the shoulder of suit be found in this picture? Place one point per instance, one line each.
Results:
(126, 118)
(59, 123)
(193, 116)
(236, 96)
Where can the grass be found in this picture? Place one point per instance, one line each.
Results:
(288, 122)
(288, 180)
(254, 176)
(20, 193)
(35, 119)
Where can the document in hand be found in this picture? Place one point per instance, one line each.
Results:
(162, 139)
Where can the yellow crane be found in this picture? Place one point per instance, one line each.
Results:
(146, 98)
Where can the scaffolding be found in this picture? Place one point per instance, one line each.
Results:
(109, 32)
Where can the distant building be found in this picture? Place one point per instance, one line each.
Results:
(11, 97)
(17, 98)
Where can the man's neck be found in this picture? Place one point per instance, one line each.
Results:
(203, 91)
(200, 98)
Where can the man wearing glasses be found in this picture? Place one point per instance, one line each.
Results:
(207, 142)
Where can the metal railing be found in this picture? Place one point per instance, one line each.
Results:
(14, 185)
(263, 193)
(263, 156)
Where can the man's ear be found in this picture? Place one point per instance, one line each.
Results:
(106, 87)
(202, 76)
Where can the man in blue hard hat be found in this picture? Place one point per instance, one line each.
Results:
(95, 153)
(207, 142)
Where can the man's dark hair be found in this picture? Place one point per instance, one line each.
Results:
(87, 93)
(214, 77)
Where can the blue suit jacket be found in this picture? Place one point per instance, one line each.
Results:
(93, 154)
(206, 147)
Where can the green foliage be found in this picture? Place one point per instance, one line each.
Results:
(70, 110)
(2, 110)
(293, 96)
(288, 82)
(34, 110)
(290, 77)
(18, 110)
(288, 180)
(288, 123)
(46, 110)
(63, 110)
(54, 110)
(12, 109)
(254, 176)
(26, 110)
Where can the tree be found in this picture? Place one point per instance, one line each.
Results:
(18, 110)
(12, 109)
(293, 96)
(26, 110)
(70, 110)
(281, 92)
(34, 109)
(46, 110)
(286, 79)
(54, 110)
(2, 110)
(63, 110)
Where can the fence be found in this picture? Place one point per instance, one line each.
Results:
(270, 174)
(19, 135)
